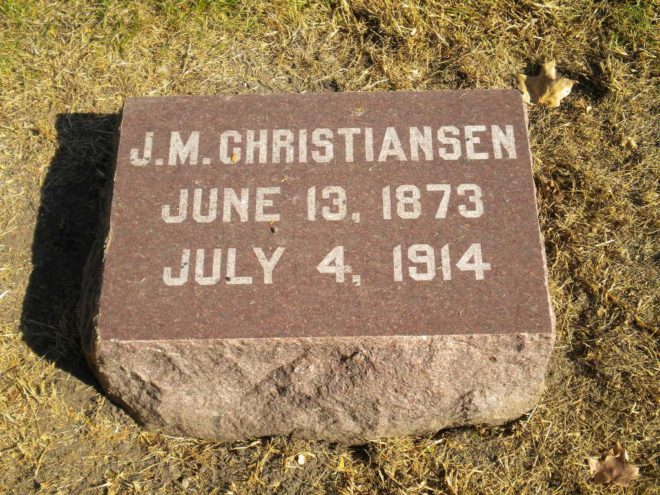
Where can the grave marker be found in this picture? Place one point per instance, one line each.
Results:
(335, 266)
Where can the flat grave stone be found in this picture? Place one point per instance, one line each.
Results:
(329, 266)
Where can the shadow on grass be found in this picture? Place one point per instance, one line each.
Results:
(67, 224)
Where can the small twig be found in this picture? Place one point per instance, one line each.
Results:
(618, 302)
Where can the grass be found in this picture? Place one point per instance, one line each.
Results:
(64, 69)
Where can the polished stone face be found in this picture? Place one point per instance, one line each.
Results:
(355, 214)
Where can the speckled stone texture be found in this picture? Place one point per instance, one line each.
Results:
(309, 354)
(339, 389)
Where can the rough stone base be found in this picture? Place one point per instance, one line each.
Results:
(346, 389)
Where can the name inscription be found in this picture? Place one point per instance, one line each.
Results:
(324, 145)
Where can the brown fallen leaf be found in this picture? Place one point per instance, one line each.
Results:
(628, 142)
(614, 469)
(545, 88)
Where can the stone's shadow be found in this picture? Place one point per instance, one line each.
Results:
(68, 221)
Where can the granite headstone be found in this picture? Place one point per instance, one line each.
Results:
(330, 266)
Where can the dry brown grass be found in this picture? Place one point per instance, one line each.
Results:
(599, 207)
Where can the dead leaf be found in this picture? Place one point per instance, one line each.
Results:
(628, 142)
(545, 88)
(614, 469)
